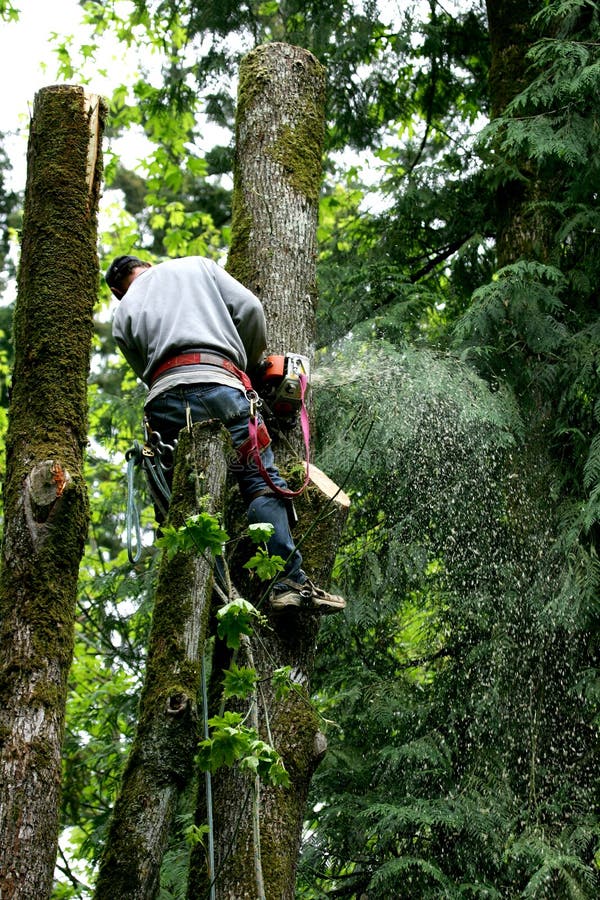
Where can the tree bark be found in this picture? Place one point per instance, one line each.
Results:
(290, 723)
(45, 499)
(278, 158)
(279, 139)
(160, 763)
(522, 230)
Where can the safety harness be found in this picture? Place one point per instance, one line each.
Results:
(292, 372)
(284, 381)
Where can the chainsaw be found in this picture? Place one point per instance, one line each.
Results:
(282, 386)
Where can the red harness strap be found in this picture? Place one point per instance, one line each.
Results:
(194, 358)
(256, 441)
(253, 427)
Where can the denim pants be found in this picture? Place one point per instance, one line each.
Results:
(167, 415)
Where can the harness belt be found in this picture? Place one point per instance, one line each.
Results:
(194, 358)
(258, 436)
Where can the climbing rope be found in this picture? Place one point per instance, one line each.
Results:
(133, 457)
(156, 459)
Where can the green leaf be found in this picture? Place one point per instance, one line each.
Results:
(194, 834)
(282, 682)
(171, 541)
(8, 12)
(201, 532)
(206, 533)
(268, 8)
(264, 761)
(278, 775)
(236, 618)
(197, 167)
(229, 742)
(260, 532)
(238, 682)
(265, 567)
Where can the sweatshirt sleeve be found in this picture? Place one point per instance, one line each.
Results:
(246, 312)
(126, 344)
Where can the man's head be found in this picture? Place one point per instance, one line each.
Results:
(121, 273)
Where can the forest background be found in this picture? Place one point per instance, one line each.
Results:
(455, 397)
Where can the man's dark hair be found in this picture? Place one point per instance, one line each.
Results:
(120, 267)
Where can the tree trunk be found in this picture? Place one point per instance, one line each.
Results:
(280, 126)
(279, 145)
(45, 500)
(523, 231)
(289, 723)
(160, 763)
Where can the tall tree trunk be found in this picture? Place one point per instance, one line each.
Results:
(278, 170)
(160, 763)
(279, 135)
(522, 230)
(45, 500)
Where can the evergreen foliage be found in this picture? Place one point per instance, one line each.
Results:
(498, 714)
(460, 651)
(456, 401)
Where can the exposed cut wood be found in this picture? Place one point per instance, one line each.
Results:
(328, 487)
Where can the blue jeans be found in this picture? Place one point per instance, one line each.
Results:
(167, 415)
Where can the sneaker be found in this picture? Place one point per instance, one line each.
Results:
(306, 595)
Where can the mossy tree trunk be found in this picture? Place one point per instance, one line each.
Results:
(278, 169)
(160, 763)
(45, 500)
(279, 140)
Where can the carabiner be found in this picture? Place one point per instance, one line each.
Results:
(254, 401)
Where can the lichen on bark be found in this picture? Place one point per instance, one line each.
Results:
(45, 501)
(279, 135)
(160, 764)
(279, 143)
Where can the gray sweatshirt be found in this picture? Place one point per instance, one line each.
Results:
(185, 304)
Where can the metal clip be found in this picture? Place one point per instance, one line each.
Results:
(254, 401)
(165, 453)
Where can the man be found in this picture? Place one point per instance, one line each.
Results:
(189, 330)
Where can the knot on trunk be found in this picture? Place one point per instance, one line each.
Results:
(44, 487)
(319, 748)
(177, 704)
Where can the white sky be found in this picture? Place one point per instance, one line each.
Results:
(24, 47)
(28, 62)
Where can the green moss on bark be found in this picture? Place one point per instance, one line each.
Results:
(297, 149)
(45, 502)
(160, 764)
(53, 325)
(58, 277)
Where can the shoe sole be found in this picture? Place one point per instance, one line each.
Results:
(279, 606)
(326, 607)
(318, 604)
(323, 607)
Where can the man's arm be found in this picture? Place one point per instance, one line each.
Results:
(127, 348)
(247, 313)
